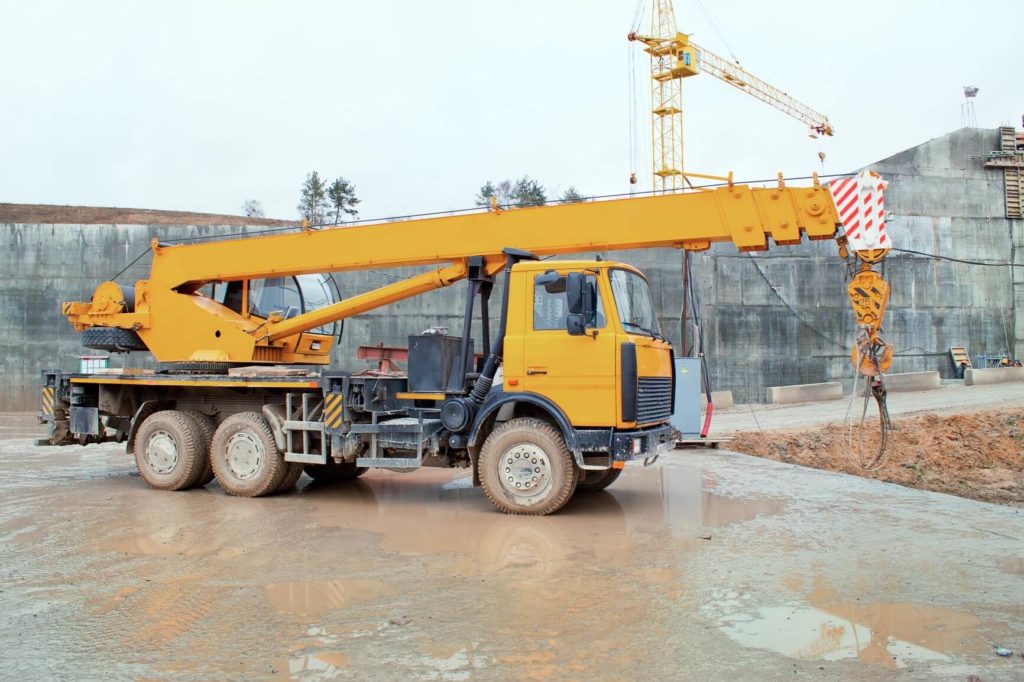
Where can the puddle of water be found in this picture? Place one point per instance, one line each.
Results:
(324, 665)
(164, 542)
(314, 598)
(434, 511)
(893, 635)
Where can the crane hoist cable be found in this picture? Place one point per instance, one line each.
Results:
(874, 388)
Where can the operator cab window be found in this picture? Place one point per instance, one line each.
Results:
(550, 306)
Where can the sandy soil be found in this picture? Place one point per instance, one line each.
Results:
(102, 215)
(979, 455)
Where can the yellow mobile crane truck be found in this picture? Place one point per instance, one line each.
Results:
(577, 380)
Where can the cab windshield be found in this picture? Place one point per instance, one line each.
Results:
(633, 300)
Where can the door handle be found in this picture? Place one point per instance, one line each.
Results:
(531, 371)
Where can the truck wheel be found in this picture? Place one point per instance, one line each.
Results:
(246, 461)
(169, 450)
(293, 473)
(205, 424)
(333, 472)
(592, 481)
(525, 468)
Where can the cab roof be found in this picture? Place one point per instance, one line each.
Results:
(544, 265)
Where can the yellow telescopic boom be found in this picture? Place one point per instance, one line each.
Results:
(178, 324)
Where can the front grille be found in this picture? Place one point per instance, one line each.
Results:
(653, 399)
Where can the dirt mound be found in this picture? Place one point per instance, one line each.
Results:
(978, 455)
(99, 215)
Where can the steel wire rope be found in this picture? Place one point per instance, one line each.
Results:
(793, 310)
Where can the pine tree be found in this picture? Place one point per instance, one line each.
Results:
(342, 197)
(313, 200)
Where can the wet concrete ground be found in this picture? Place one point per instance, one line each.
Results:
(709, 565)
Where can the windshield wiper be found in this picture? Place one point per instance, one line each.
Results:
(654, 334)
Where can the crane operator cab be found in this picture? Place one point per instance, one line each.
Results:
(281, 297)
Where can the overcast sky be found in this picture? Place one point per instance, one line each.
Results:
(200, 105)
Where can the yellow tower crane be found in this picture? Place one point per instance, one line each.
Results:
(675, 57)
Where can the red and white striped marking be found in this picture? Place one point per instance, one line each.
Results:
(861, 205)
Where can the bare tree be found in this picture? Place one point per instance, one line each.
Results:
(252, 208)
(571, 196)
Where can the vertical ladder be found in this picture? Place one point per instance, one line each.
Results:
(1012, 174)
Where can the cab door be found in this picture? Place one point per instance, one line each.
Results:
(577, 373)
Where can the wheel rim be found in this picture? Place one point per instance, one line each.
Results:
(525, 470)
(245, 455)
(161, 453)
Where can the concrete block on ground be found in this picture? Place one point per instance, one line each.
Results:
(913, 381)
(722, 399)
(993, 375)
(805, 393)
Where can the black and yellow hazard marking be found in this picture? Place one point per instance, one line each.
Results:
(333, 408)
(48, 400)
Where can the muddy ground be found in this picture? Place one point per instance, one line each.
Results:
(708, 565)
(979, 455)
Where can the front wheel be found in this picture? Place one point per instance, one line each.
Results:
(525, 468)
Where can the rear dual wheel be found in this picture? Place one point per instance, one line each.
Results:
(181, 449)
(170, 450)
(245, 457)
(206, 428)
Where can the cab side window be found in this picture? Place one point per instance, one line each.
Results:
(550, 307)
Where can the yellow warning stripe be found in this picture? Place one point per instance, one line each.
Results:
(333, 408)
(47, 400)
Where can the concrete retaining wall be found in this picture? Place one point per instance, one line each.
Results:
(805, 393)
(722, 399)
(912, 381)
(994, 375)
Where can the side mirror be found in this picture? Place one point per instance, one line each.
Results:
(581, 299)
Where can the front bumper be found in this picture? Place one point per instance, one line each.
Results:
(624, 446)
(643, 443)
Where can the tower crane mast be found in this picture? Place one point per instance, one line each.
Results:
(675, 57)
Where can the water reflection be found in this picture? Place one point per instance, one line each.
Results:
(436, 511)
(889, 634)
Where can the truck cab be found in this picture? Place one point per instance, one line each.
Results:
(608, 367)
